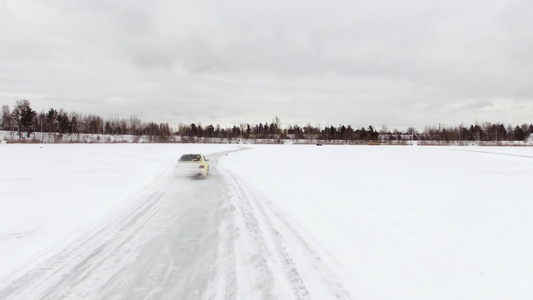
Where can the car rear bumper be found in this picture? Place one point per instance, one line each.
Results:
(190, 172)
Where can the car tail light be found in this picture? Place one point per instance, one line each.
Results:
(201, 167)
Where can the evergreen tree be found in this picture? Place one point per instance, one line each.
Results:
(63, 122)
(6, 121)
(23, 117)
(51, 118)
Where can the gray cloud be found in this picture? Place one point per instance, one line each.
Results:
(407, 63)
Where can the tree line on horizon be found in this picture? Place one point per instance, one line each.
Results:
(25, 121)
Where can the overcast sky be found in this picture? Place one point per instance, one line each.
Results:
(399, 63)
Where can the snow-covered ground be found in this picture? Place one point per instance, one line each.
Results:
(270, 222)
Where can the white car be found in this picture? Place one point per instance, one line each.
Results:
(192, 165)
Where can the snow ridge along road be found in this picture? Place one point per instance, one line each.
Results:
(274, 260)
(185, 238)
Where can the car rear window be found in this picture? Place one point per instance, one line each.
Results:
(190, 157)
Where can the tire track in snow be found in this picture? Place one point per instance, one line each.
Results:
(82, 258)
(290, 234)
(495, 153)
(268, 237)
(223, 278)
(183, 260)
(268, 253)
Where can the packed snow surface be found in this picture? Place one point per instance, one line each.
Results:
(111, 221)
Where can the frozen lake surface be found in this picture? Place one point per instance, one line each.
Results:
(270, 222)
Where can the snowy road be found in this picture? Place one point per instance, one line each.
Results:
(185, 239)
